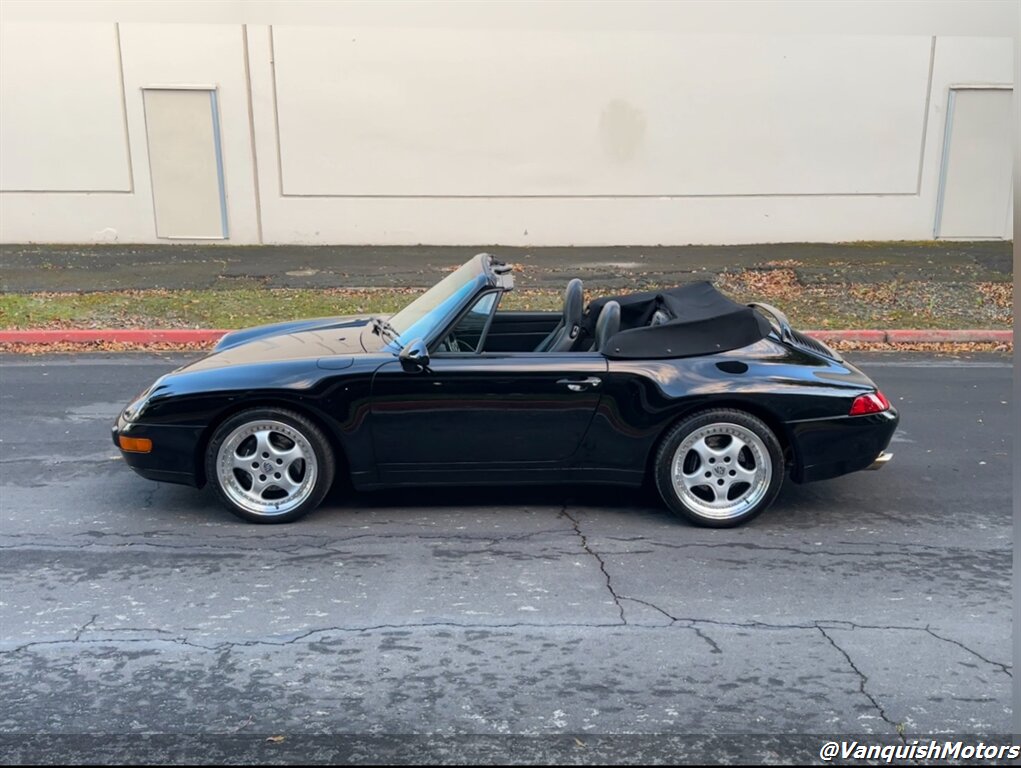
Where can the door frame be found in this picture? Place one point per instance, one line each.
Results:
(945, 153)
(214, 105)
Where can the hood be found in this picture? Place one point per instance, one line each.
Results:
(236, 338)
(303, 339)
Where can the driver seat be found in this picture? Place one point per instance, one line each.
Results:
(562, 338)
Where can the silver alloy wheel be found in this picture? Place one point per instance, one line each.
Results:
(721, 471)
(266, 467)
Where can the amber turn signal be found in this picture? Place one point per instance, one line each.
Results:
(135, 444)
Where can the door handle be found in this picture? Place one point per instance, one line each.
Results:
(580, 385)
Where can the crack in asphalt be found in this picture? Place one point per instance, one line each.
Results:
(1004, 668)
(862, 682)
(85, 626)
(149, 496)
(290, 549)
(919, 545)
(795, 550)
(713, 647)
(593, 553)
(294, 640)
(49, 461)
(650, 605)
(575, 529)
(295, 547)
(681, 623)
(820, 625)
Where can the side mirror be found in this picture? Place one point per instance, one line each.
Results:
(415, 356)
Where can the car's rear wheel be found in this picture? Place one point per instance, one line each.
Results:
(719, 468)
(269, 465)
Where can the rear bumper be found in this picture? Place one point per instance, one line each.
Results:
(825, 448)
(174, 456)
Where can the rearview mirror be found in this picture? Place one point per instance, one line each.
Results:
(415, 356)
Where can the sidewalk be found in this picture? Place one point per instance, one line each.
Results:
(39, 268)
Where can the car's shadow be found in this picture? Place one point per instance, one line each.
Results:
(796, 507)
(342, 496)
(831, 503)
(644, 497)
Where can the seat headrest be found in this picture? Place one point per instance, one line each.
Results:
(574, 303)
(608, 324)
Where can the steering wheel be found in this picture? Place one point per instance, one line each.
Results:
(452, 344)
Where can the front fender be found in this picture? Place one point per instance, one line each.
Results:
(337, 400)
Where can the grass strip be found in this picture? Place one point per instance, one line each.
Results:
(909, 304)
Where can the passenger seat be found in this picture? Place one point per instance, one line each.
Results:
(607, 325)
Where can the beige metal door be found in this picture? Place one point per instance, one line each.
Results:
(975, 186)
(182, 130)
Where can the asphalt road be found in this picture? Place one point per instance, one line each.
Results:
(450, 624)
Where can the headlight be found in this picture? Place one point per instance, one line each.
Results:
(140, 403)
(135, 408)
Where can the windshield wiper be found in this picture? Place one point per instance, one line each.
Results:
(382, 327)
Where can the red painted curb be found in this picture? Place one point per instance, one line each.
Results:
(131, 336)
(210, 336)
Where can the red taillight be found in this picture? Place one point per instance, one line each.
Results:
(875, 402)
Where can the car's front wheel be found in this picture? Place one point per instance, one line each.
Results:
(719, 468)
(269, 465)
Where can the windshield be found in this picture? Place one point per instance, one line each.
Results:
(431, 308)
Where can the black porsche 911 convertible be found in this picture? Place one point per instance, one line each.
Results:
(711, 400)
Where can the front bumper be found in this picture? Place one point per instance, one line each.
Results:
(174, 457)
(825, 448)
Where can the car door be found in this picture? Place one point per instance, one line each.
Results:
(483, 413)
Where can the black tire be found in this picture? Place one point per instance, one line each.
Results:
(759, 495)
(310, 496)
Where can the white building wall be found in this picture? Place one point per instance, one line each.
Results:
(483, 123)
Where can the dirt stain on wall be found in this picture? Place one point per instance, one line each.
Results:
(622, 130)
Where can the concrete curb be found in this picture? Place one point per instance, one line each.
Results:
(209, 336)
(908, 337)
(917, 336)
